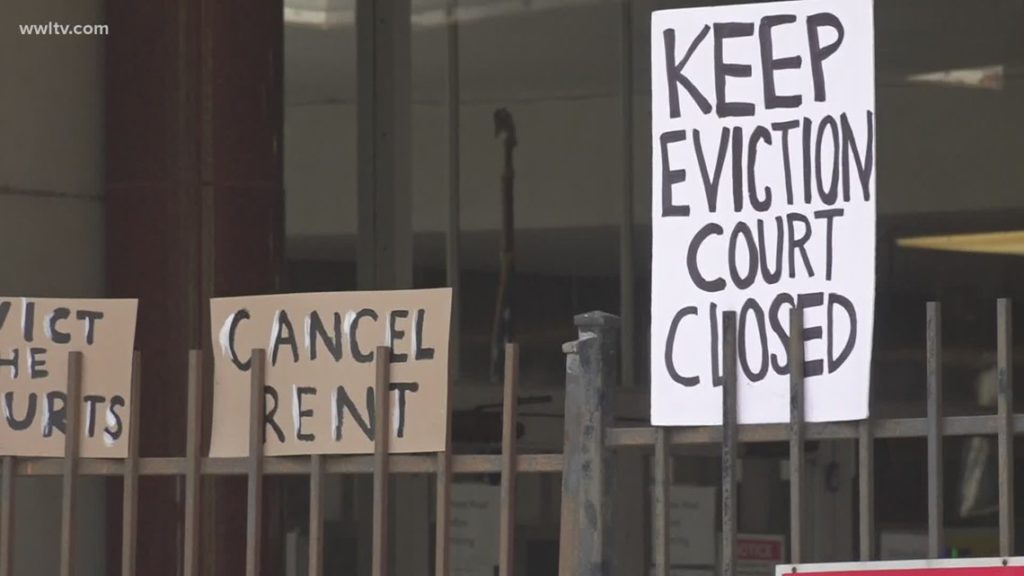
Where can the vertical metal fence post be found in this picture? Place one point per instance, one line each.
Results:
(934, 398)
(591, 367)
(7, 517)
(254, 504)
(194, 438)
(507, 527)
(443, 481)
(381, 465)
(729, 444)
(316, 515)
(1004, 353)
(866, 487)
(661, 502)
(130, 502)
(442, 498)
(69, 492)
(796, 433)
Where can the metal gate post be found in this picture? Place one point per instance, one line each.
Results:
(591, 368)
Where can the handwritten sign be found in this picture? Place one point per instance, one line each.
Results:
(763, 200)
(320, 348)
(36, 335)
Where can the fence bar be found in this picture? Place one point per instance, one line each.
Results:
(254, 504)
(729, 447)
(443, 461)
(7, 517)
(69, 489)
(866, 486)
(934, 395)
(796, 433)
(506, 544)
(442, 495)
(339, 464)
(193, 471)
(316, 515)
(381, 435)
(130, 503)
(1004, 352)
(662, 497)
(591, 368)
(881, 428)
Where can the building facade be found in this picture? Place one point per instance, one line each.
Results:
(201, 149)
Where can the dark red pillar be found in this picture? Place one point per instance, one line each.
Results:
(194, 211)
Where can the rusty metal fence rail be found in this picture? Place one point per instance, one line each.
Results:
(591, 438)
(934, 427)
(193, 467)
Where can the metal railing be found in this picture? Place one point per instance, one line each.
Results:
(934, 427)
(592, 371)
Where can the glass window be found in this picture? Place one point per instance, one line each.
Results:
(320, 145)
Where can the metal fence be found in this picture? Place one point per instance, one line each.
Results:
(591, 438)
(193, 467)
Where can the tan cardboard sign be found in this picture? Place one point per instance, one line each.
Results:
(320, 349)
(36, 335)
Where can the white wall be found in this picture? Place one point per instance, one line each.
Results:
(51, 222)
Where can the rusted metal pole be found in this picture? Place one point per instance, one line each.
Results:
(316, 515)
(507, 526)
(254, 465)
(934, 394)
(130, 499)
(729, 444)
(1004, 353)
(661, 502)
(591, 367)
(866, 485)
(381, 467)
(193, 450)
(7, 517)
(72, 438)
(443, 482)
(796, 433)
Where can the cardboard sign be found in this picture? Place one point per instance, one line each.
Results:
(763, 199)
(320, 370)
(36, 335)
(954, 567)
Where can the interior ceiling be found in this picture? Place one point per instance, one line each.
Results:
(535, 47)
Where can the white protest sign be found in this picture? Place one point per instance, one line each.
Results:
(763, 199)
